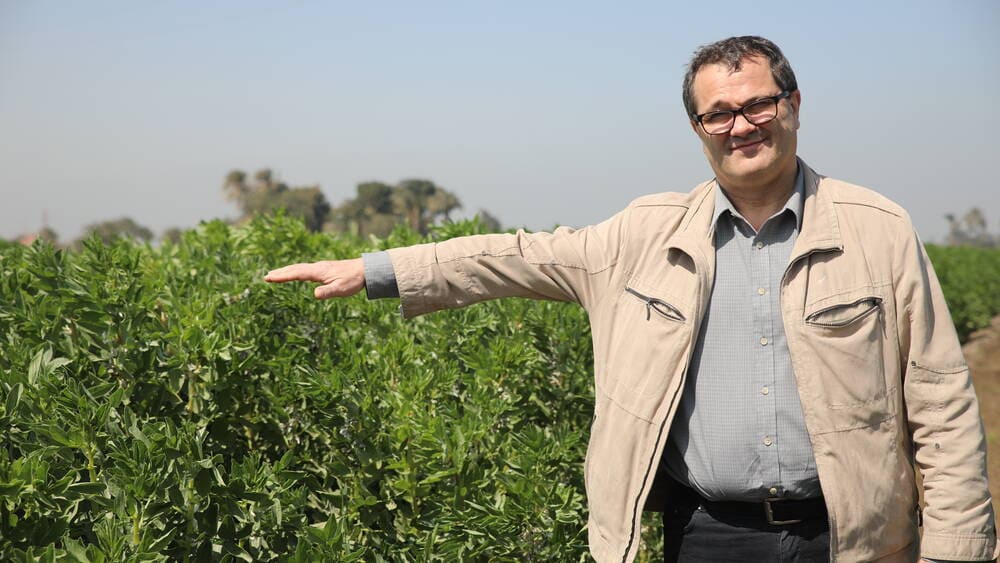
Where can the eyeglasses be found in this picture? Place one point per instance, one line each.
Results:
(757, 112)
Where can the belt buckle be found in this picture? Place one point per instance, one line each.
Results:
(770, 514)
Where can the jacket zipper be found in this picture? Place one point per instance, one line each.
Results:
(672, 313)
(652, 462)
(876, 305)
(664, 309)
(781, 292)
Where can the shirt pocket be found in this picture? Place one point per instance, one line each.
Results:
(846, 333)
(650, 335)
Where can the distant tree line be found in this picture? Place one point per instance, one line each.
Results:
(263, 194)
(971, 229)
(375, 210)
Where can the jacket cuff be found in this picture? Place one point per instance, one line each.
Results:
(953, 561)
(380, 277)
(959, 547)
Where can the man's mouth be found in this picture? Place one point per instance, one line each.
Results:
(746, 145)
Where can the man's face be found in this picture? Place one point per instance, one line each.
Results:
(749, 155)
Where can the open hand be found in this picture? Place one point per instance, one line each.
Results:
(339, 278)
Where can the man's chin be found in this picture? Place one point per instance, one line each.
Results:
(746, 169)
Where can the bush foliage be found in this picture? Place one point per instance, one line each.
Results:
(165, 404)
(970, 280)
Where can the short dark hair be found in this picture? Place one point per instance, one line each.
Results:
(732, 52)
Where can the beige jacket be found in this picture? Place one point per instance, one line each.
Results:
(880, 373)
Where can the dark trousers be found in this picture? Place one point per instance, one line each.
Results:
(693, 534)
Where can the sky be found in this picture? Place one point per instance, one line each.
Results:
(543, 113)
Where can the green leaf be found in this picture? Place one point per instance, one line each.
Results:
(241, 553)
(227, 530)
(161, 542)
(88, 488)
(209, 519)
(11, 490)
(13, 398)
(437, 476)
(204, 553)
(43, 365)
(203, 482)
(36, 366)
(57, 434)
(429, 544)
(134, 430)
(256, 497)
(276, 509)
(76, 550)
(289, 475)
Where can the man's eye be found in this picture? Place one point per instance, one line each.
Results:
(717, 117)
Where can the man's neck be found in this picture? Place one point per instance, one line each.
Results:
(757, 203)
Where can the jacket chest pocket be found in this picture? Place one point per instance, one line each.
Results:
(650, 334)
(846, 335)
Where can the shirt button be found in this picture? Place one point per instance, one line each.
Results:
(768, 441)
(773, 491)
(764, 390)
(761, 291)
(758, 245)
(763, 341)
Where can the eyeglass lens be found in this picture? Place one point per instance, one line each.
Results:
(758, 113)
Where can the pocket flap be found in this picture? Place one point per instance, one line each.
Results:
(657, 300)
(843, 313)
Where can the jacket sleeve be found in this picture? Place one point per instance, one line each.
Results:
(943, 415)
(564, 265)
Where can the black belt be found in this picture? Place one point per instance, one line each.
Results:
(774, 511)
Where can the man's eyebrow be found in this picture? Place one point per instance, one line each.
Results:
(717, 105)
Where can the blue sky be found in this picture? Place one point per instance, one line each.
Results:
(543, 113)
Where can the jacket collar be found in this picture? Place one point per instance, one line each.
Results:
(819, 229)
(694, 235)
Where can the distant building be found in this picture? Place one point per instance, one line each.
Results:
(27, 239)
(46, 233)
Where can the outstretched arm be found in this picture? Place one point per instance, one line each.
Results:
(563, 265)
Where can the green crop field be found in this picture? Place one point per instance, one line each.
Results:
(165, 404)
(970, 279)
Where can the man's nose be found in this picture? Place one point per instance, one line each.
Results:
(742, 126)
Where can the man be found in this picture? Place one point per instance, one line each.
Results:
(772, 350)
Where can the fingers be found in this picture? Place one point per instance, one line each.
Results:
(296, 272)
(333, 289)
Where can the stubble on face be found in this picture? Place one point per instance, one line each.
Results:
(756, 161)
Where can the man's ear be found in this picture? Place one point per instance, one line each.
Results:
(796, 100)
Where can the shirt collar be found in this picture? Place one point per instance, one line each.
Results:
(794, 203)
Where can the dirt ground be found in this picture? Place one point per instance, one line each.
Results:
(983, 354)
